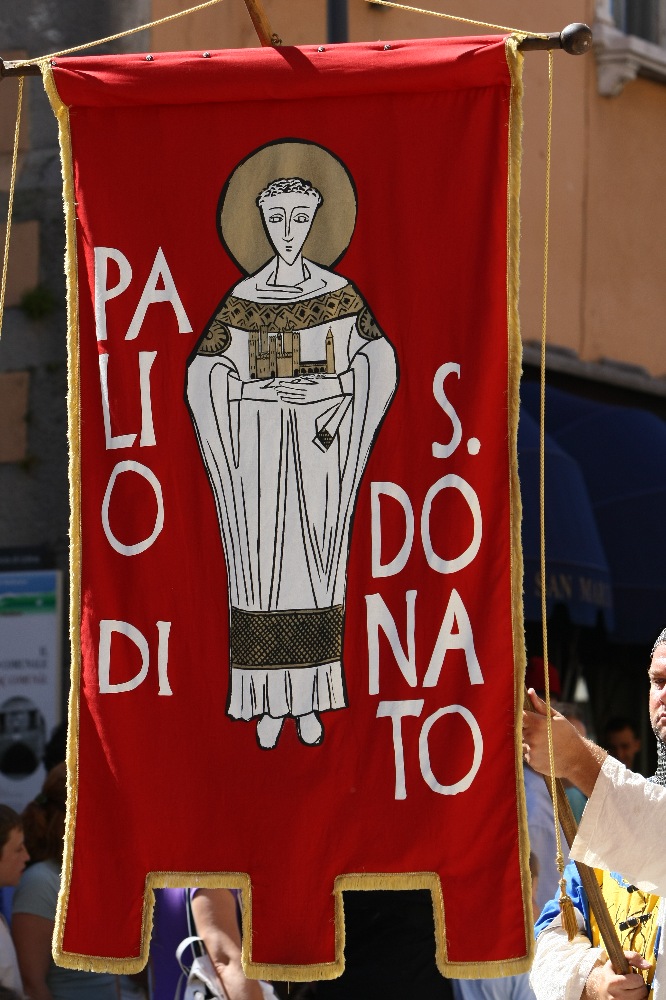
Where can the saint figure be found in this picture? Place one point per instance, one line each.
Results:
(287, 388)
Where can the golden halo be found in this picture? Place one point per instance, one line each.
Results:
(239, 218)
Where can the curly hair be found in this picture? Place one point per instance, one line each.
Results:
(44, 818)
(289, 185)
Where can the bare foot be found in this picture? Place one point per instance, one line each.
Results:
(268, 731)
(310, 729)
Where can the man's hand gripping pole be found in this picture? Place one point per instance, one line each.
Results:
(596, 900)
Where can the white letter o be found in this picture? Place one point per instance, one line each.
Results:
(424, 753)
(434, 561)
(149, 475)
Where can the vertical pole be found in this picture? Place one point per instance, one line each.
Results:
(261, 25)
(336, 21)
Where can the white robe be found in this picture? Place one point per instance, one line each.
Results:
(9, 970)
(621, 830)
(285, 476)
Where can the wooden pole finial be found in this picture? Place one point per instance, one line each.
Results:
(576, 39)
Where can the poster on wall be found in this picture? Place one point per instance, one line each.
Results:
(30, 678)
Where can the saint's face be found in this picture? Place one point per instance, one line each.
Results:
(288, 219)
(657, 675)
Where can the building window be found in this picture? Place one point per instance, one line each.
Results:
(640, 18)
(629, 41)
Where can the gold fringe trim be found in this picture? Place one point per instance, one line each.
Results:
(515, 62)
(61, 112)
(293, 973)
(240, 880)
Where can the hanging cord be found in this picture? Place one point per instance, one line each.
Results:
(120, 34)
(568, 916)
(566, 906)
(10, 201)
(47, 58)
(461, 20)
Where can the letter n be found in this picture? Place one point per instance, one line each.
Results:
(379, 616)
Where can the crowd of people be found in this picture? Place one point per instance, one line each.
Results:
(619, 814)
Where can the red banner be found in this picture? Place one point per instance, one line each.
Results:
(296, 596)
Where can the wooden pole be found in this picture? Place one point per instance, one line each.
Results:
(576, 39)
(267, 37)
(592, 888)
(12, 68)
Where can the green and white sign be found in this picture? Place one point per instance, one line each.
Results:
(30, 678)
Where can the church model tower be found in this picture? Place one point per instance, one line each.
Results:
(278, 355)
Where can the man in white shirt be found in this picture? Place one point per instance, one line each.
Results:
(621, 828)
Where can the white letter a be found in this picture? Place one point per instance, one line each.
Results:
(151, 293)
(456, 613)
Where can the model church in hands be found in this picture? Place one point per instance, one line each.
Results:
(278, 355)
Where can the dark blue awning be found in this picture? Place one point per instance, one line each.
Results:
(621, 452)
(577, 573)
